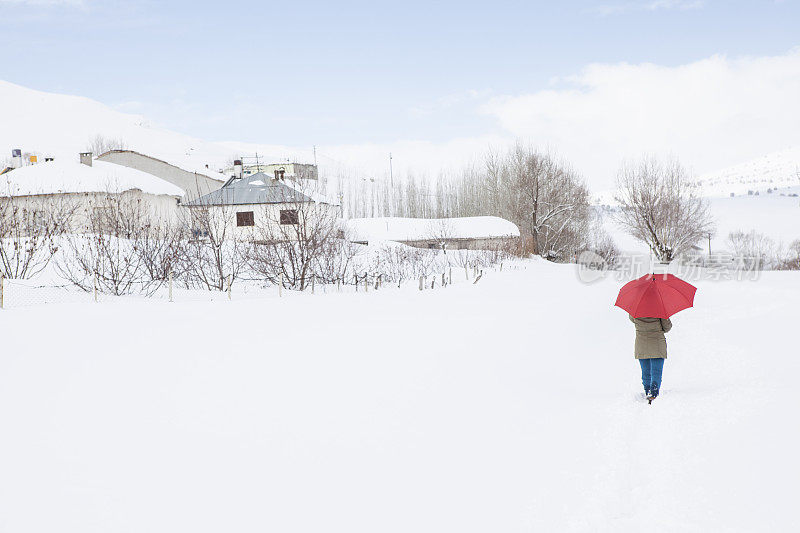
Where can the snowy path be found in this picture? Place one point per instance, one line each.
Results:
(511, 405)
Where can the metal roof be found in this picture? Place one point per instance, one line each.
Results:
(254, 189)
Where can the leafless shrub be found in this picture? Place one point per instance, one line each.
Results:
(791, 260)
(163, 250)
(397, 262)
(659, 208)
(29, 233)
(336, 260)
(753, 250)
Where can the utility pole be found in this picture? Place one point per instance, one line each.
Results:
(709, 245)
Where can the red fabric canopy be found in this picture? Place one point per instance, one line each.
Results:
(656, 295)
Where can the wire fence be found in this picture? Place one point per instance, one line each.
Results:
(17, 293)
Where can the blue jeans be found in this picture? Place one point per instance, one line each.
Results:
(651, 374)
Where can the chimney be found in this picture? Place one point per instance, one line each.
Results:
(86, 158)
(16, 157)
(237, 168)
(279, 173)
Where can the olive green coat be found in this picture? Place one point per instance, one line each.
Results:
(650, 340)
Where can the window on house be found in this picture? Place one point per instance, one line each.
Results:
(289, 216)
(245, 218)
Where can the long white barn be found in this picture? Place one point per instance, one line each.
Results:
(452, 233)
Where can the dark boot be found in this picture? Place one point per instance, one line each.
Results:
(653, 390)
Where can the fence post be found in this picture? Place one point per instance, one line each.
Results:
(450, 281)
(501, 266)
(313, 278)
(94, 283)
(338, 284)
(2, 284)
(230, 282)
(366, 281)
(421, 286)
(170, 285)
(444, 280)
(280, 286)
(466, 271)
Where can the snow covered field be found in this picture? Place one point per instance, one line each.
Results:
(510, 405)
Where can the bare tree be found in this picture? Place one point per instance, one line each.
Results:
(543, 196)
(101, 144)
(29, 233)
(107, 254)
(213, 256)
(293, 238)
(659, 208)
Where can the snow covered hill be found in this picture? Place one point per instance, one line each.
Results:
(57, 125)
(773, 171)
(49, 124)
(500, 406)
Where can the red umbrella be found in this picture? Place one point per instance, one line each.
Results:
(656, 295)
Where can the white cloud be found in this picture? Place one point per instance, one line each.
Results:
(710, 114)
(651, 5)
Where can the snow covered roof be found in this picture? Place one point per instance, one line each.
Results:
(259, 189)
(184, 164)
(54, 177)
(417, 229)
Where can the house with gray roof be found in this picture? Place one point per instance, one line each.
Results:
(262, 204)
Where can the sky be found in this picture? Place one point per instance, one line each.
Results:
(436, 83)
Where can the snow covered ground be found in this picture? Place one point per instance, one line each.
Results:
(510, 405)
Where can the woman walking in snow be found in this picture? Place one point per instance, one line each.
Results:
(651, 350)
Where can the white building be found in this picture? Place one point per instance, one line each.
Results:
(87, 186)
(262, 204)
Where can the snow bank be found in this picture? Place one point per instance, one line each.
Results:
(413, 229)
(73, 177)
